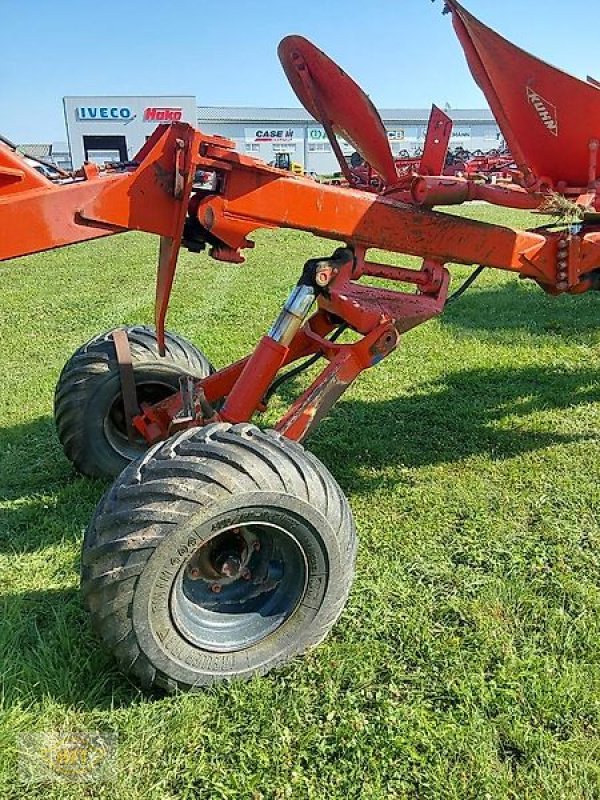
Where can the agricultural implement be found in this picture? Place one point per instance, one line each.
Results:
(222, 550)
(489, 166)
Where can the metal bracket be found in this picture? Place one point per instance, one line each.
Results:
(128, 389)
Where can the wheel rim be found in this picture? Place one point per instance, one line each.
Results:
(115, 426)
(239, 587)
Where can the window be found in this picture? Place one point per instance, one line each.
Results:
(102, 157)
(284, 148)
(252, 148)
(323, 147)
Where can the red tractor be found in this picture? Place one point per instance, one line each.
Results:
(222, 550)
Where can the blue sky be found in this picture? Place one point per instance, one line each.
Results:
(403, 52)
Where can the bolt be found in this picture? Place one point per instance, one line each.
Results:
(563, 244)
(194, 573)
(561, 285)
(256, 546)
(216, 588)
(246, 574)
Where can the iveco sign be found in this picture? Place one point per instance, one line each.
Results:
(104, 114)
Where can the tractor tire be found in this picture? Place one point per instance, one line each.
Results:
(220, 554)
(88, 404)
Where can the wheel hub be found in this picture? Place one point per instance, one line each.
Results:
(224, 559)
(239, 587)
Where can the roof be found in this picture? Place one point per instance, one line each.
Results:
(59, 148)
(264, 114)
(34, 150)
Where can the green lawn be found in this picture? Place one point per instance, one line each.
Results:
(467, 662)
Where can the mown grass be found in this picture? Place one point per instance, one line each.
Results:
(466, 664)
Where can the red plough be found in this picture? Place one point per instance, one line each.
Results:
(224, 550)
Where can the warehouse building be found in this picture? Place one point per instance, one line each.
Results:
(108, 129)
(56, 153)
(263, 132)
(102, 129)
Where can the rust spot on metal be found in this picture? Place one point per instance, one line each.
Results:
(164, 177)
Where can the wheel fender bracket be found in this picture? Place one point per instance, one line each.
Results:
(130, 401)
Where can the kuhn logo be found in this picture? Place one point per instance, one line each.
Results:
(546, 111)
(162, 114)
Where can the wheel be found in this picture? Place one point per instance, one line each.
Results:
(220, 554)
(88, 403)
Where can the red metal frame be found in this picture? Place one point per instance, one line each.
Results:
(161, 193)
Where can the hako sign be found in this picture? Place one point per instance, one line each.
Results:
(163, 114)
(104, 114)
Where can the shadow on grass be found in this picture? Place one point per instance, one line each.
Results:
(46, 647)
(44, 500)
(465, 413)
(500, 312)
(462, 414)
(48, 653)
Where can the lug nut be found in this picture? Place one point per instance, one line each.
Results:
(246, 574)
(216, 588)
(194, 573)
(256, 546)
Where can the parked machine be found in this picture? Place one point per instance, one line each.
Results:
(284, 161)
(222, 550)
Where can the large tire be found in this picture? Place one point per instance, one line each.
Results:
(88, 405)
(150, 556)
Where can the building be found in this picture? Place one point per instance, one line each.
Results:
(262, 132)
(104, 129)
(56, 153)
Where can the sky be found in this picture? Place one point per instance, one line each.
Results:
(402, 52)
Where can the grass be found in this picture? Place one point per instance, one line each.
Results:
(466, 664)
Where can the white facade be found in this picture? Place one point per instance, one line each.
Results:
(262, 132)
(104, 129)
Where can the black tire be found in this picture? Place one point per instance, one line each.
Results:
(88, 407)
(171, 508)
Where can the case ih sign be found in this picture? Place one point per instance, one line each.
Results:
(162, 114)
